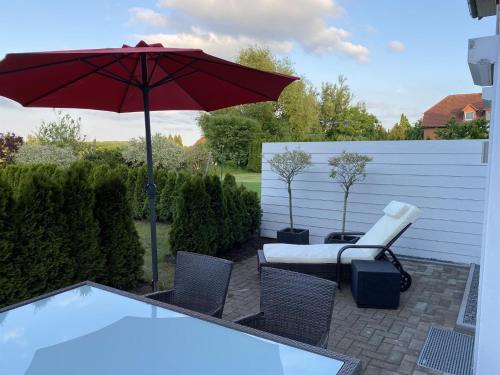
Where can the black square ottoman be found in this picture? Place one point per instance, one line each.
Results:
(375, 283)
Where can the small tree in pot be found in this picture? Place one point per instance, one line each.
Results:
(347, 169)
(287, 165)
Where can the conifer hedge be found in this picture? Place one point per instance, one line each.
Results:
(59, 227)
(211, 217)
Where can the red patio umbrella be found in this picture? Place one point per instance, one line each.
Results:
(147, 77)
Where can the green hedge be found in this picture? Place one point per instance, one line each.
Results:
(211, 217)
(60, 227)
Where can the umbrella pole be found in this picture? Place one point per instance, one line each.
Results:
(151, 187)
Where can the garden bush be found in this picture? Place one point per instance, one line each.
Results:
(194, 223)
(11, 287)
(81, 227)
(166, 198)
(61, 226)
(210, 217)
(255, 156)
(118, 238)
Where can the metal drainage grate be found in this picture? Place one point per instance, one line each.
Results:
(447, 351)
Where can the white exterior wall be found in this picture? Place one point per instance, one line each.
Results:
(446, 179)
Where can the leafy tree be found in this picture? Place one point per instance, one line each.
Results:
(81, 229)
(358, 124)
(111, 157)
(416, 132)
(9, 145)
(45, 153)
(166, 154)
(228, 136)
(64, 131)
(475, 129)
(335, 100)
(199, 159)
(400, 129)
(287, 165)
(255, 156)
(348, 169)
(177, 139)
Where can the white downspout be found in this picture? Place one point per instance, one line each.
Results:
(487, 340)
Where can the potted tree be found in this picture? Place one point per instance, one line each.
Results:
(347, 169)
(287, 165)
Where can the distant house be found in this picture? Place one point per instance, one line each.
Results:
(200, 141)
(464, 107)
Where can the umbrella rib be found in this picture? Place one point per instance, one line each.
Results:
(234, 65)
(127, 87)
(63, 86)
(182, 88)
(131, 73)
(106, 73)
(230, 82)
(51, 64)
(172, 76)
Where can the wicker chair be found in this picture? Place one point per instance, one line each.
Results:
(200, 284)
(294, 305)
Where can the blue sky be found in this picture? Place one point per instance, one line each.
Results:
(398, 56)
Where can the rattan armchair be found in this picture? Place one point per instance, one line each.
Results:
(294, 305)
(200, 284)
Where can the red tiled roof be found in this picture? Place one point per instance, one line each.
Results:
(439, 114)
(200, 141)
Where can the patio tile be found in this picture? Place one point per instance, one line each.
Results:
(387, 341)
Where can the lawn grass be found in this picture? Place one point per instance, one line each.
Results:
(251, 180)
(165, 269)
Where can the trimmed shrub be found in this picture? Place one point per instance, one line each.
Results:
(118, 238)
(166, 198)
(12, 289)
(255, 156)
(217, 204)
(139, 204)
(81, 229)
(251, 210)
(193, 227)
(40, 233)
(235, 215)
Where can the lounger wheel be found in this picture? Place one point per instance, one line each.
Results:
(405, 281)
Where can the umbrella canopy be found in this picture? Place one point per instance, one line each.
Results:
(132, 79)
(113, 79)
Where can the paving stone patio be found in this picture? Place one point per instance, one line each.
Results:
(387, 341)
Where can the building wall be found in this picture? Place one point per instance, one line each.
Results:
(446, 179)
(429, 133)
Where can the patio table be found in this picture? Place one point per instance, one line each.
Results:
(93, 329)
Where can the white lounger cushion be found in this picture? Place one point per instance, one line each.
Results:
(320, 253)
(397, 216)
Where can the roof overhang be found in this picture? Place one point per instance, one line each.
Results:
(482, 8)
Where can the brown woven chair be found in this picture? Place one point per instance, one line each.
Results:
(200, 284)
(294, 305)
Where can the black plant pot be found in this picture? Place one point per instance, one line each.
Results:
(296, 237)
(338, 238)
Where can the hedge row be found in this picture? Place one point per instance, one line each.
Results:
(60, 227)
(210, 217)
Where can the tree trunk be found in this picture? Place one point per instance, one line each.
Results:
(290, 205)
(346, 194)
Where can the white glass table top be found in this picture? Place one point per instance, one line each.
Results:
(88, 330)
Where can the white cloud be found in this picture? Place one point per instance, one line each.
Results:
(150, 17)
(222, 24)
(225, 46)
(396, 46)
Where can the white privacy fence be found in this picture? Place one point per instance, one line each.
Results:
(446, 179)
